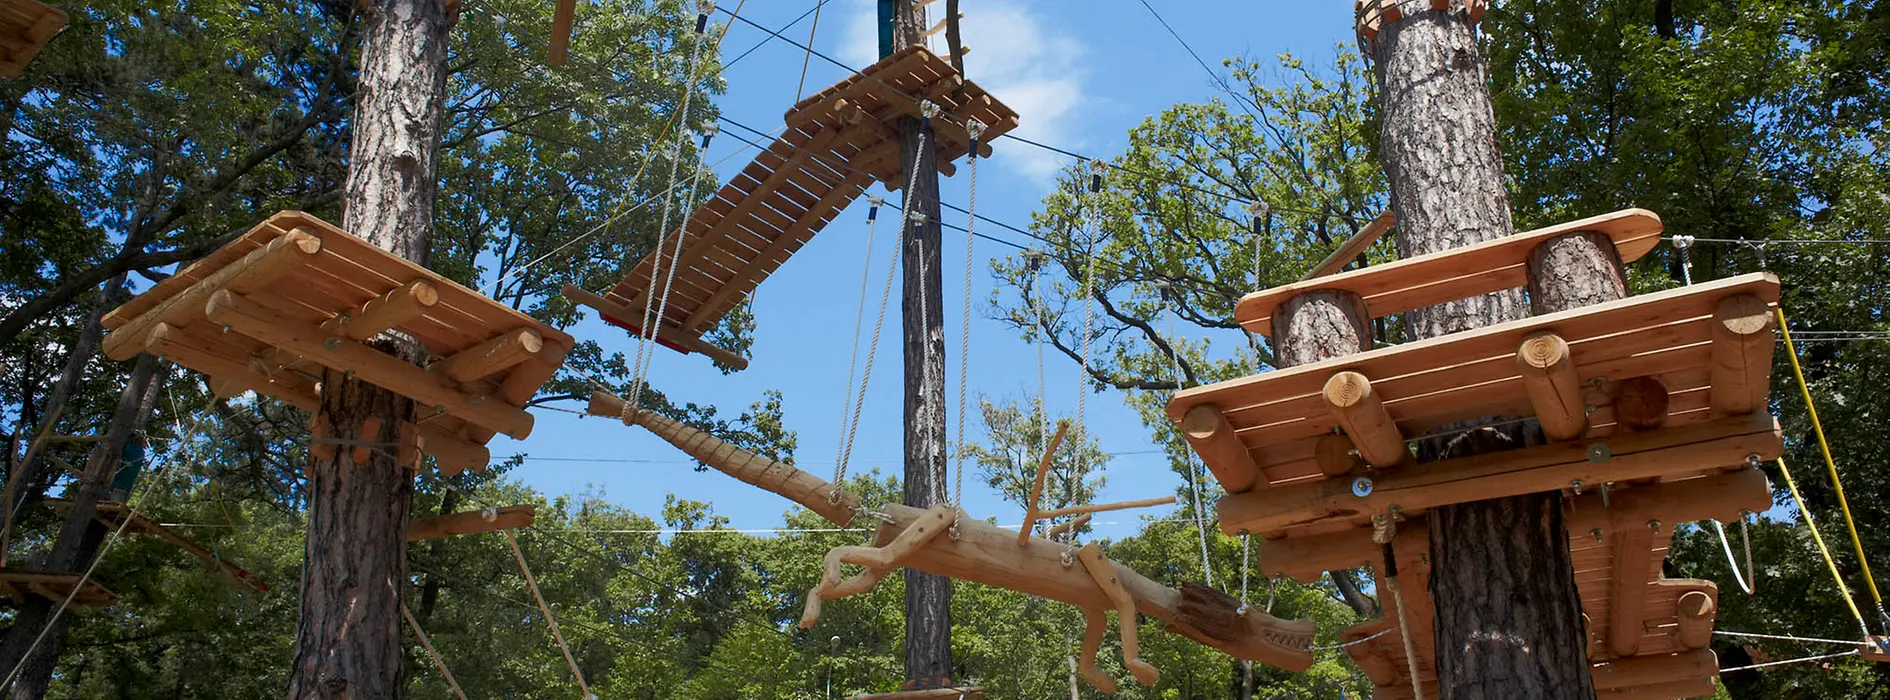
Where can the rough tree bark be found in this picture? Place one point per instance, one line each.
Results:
(922, 306)
(35, 627)
(1508, 619)
(349, 642)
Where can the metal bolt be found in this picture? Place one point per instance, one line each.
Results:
(1752, 459)
(1362, 486)
(332, 343)
(1599, 453)
(475, 399)
(490, 514)
(1590, 408)
(1604, 494)
(1597, 533)
(226, 328)
(1577, 486)
(1654, 525)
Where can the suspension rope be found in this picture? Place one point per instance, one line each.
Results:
(1824, 448)
(1788, 638)
(531, 582)
(432, 653)
(1389, 530)
(1800, 660)
(809, 56)
(1092, 223)
(975, 129)
(859, 316)
(1812, 525)
(1194, 484)
(1748, 580)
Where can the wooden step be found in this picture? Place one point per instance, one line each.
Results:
(836, 144)
(54, 587)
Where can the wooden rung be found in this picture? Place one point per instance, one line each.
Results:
(471, 522)
(255, 271)
(1742, 354)
(1220, 448)
(1359, 411)
(1636, 671)
(371, 365)
(1106, 507)
(495, 355)
(1697, 611)
(1548, 375)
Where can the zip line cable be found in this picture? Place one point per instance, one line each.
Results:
(1218, 80)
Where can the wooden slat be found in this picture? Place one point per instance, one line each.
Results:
(470, 522)
(1353, 247)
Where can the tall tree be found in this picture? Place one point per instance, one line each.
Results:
(1503, 584)
(922, 306)
(349, 643)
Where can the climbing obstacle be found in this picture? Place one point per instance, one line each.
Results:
(836, 143)
(296, 296)
(1652, 406)
(114, 515)
(25, 27)
(17, 585)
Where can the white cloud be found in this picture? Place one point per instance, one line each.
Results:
(1035, 71)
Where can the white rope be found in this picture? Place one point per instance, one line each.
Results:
(1092, 218)
(1788, 638)
(1745, 582)
(532, 583)
(866, 375)
(859, 317)
(964, 326)
(432, 653)
(1194, 486)
(1801, 660)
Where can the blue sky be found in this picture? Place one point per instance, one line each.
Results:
(1080, 74)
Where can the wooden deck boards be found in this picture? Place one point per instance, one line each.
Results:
(836, 143)
(54, 587)
(25, 27)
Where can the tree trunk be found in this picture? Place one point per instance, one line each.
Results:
(922, 305)
(36, 628)
(1502, 580)
(349, 642)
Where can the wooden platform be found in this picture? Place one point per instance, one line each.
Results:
(54, 587)
(25, 27)
(295, 295)
(112, 514)
(837, 143)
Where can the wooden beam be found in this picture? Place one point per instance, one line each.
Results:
(253, 272)
(1676, 449)
(624, 316)
(561, 17)
(1362, 414)
(1688, 688)
(827, 500)
(1621, 674)
(1354, 246)
(1632, 563)
(1697, 611)
(1336, 455)
(495, 355)
(470, 522)
(371, 365)
(1742, 354)
(399, 305)
(1207, 431)
(1548, 376)
(973, 693)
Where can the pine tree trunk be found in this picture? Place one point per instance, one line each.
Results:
(1508, 621)
(928, 596)
(349, 643)
(79, 539)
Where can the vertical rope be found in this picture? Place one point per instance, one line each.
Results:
(811, 32)
(1194, 484)
(859, 316)
(975, 129)
(1092, 217)
(532, 583)
(432, 653)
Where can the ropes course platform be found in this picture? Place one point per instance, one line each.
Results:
(836, 143)
(16, 585)
(113, 514)
(1652, 406)
(25, 27)
(296, 296)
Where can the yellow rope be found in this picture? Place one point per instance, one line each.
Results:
(1824, 447)
(532, 583)
(432, 653)
(1812, 525)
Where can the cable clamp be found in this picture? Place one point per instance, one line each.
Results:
(1096, 170)
(929, 109)
(1683, 242)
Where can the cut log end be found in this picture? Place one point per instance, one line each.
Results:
(1555, 392)
(1358, 409)
(1640, 403)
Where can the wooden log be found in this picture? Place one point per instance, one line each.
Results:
(561, 17)
(1548, 375)
(624, 317)
(1031, 514)
(1671, 450)
(827, 500)
(404, 303)
(972, 693)
(1621, 674)
(471, 522)
(1359, 411)
(1632, 563)
(1106, 507)
(1697, 611)
(1687, 688)
(253, 272)
(1354, 246)
(1207, 431)
(1742, 354)
(497, 354)
(1641, 403)
(371, 365)
(987, 554)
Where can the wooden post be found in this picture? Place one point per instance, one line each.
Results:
(349, 641)
(1363, 416)
(1501, 569)
(1697, 611)
(1221, 450)
(1548, 374)
(1742, 354)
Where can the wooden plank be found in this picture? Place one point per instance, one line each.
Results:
(1458, 273)
(1627, 592)
(249, 274)
(470, 522)
(1621, 674)
(1742, 354)
(370, 365)
(737, 288)
(687, 343)
(1353, 247)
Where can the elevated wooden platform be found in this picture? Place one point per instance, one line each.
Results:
(16, 585)
(471, 522)
(837, 143)
(25, 27)
(112, 514)
(974, 693)
(295, 295)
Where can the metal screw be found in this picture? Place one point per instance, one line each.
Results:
(1752, 459)
(490, 514)
(226, 328)
(1362, 486)
(1599, 453)
(1654, 525)
(332, 343)
(1597, 533)
(475, 399)
(1577, 486)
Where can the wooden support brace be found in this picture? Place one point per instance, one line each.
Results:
(1688, 688)
(561, 17)
(407, 445)
(624, 317)
(1104, 573)
(1633, 564)
(1631, 672)
(1875, 649)
(400, 305)
(1354, 246)
(371, 365)
(1742, 354)
(471, 522)
(1697, 611)
(495, 355)
(318, 438)
(253, 272)
(1208, 432)
(1067, 526)
(1362, 414)
(370, 433)
(1031, 514)
(1548, 375)
(877, 560)
(1336, 455)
